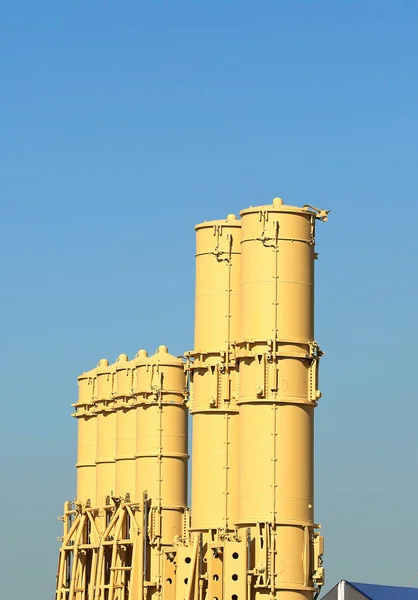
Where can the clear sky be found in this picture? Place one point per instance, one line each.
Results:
(125, 123)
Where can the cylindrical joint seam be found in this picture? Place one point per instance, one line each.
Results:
(162, 455)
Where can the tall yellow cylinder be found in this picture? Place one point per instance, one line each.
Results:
(213, 376)
(106, 432)
(87, 437)
(278, 361)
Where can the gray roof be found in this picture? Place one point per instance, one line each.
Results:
(350, 590)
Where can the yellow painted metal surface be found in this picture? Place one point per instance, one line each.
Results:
(161, 456)
(251, 385)
(125, 428)
(213, 375)
(161, 450)
(87, 437)
(278, 360)
(106, 432)
(217, 284)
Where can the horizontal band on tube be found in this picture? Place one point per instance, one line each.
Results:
(279, 340)
(278, 400)
(163, 391)
(208, 411)
(138, 400)
(163, 455)
(234, 252)
(84, 415)
(173, 507)
(253, 354)
(309, 241)
(125, 457)
(297, 523)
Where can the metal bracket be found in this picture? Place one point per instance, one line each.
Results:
(320, 213)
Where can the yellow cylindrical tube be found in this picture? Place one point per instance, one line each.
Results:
(215, 483)
(87, 429)
(161, 438)
(277, 273)
(278, 374)
(213, 376)
(125, 428)
(217, 284)
(126, 418)
(106, 432)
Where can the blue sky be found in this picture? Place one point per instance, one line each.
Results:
(125, 123)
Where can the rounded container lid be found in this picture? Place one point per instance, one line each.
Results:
(230, 221)
(141, 358)
(277, 205)
(87, 374)
(163, 357)
(122, 362)
(103, 366)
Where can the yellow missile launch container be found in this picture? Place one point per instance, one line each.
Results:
(251, 384)
(161, 452)
(213, 377)
(217, 284)
(87, 437)
(125, 428)
(161, 457)
(278, 362)
(106, 431)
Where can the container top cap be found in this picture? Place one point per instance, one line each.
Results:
(278, 205)
(141, 353)
(162, 356)
(230, 221)
(87, 374)
(122, 358)
(103, 362)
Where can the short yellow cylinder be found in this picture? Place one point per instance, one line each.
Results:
(286, 432)
(161, 443)
(106, 433)
(87, 437)
(215, 483)
(125, 429)
(217, 284)
(277, 273)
